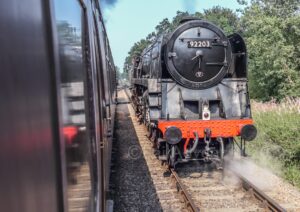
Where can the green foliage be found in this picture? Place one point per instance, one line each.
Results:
(279, 8)
(224, 18)
(136, 49)
(272, 32)
(163, 26)
(292, 174)
(277, 145)
(281, 130)
(242, 2)
(176, 20)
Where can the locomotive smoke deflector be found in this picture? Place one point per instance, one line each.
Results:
(198, 54)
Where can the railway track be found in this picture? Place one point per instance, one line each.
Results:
(200, 187)
(212, 190)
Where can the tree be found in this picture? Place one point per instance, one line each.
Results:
(224, 18)
(280, 8)
(151, 36)
(163, 27)
(176, 20)
(272, 38)
(136, 49)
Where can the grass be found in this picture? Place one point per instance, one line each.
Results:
(277, 145)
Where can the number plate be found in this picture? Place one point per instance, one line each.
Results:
(199, 44)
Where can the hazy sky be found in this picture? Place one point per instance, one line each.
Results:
(127, 21)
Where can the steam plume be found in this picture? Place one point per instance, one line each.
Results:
(190, 5)
(108, 3)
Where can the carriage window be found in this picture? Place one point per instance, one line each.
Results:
(69, 22)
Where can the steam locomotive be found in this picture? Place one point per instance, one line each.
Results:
(189, 87)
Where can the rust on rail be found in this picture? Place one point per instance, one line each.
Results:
(268, 202)
(183, 191)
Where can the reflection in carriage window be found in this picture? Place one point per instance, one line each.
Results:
(69, 29)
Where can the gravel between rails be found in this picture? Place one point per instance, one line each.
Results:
(131, 187)
(211, 192)
(166, 191)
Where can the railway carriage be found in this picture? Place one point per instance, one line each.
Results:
(190, 89)
(57, 106)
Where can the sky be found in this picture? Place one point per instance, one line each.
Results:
(128, 21)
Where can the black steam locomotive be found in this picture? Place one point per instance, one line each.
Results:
(190, 89)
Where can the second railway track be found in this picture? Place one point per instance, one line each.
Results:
(200, 187)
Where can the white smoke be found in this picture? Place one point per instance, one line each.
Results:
(190, 5)
(108, 3)
(261, 177)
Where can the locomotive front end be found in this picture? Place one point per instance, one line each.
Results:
(191, 91)
(198, 54)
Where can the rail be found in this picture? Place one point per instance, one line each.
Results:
(183, 191)
(257, 193)
(269, 203)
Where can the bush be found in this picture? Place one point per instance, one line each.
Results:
(277, 145)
